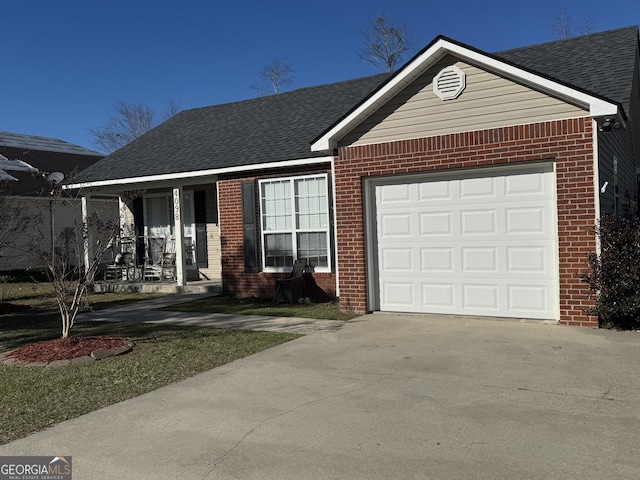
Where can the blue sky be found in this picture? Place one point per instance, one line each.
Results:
(66, 62)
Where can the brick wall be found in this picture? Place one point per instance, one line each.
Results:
(567, 142)
(320, 286)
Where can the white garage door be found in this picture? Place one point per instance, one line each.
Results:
(482, 244)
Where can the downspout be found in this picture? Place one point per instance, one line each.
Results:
(596, 180)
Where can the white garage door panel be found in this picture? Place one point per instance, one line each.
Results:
(474, 246)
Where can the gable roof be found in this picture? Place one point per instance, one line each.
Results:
(47, 155)
(595, 71)
(601, 63)
(600, 91)
(274, 128)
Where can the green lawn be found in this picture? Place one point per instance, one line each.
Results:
(33, 398)
(257, 306)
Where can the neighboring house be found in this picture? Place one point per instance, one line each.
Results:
(32, 192)
(465, 183)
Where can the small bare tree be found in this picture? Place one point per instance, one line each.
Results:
(127, 122)
(384, 44)
(274, 76)
(64, 260)
(562, 25)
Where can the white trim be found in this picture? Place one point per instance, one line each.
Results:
(201, 173)
(371, 242)
(596, 180)
(177, 202)
(556, 222)
(597, 107)
(294, 230)
(87, 241)
(335, 226)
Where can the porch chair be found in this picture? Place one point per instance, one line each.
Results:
(290, 288)
(152, 270)
(168, 261)
(123, 266)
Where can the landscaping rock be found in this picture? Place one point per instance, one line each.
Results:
(81, 360)
(57, 363)
(102, 353)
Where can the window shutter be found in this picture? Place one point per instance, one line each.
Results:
(138, 220)
(199, 207)
(200, 218)
(249, 230)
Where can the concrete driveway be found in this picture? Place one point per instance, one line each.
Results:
(383, 397)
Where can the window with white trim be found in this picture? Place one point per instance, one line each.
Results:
(294, 220)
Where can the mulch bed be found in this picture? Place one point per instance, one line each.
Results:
(64, 348)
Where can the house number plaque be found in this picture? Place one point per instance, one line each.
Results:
(176, 205)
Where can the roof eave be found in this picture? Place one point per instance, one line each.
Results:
(177, 177)
(441, 46)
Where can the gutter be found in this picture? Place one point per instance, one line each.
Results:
(199, 173)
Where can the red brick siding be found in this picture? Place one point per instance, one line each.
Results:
(567, 142)
(234, 280)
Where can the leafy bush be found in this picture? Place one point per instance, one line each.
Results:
(614, 275)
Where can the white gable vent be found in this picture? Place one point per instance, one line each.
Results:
(449, 83)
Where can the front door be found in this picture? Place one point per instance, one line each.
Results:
(158, 225)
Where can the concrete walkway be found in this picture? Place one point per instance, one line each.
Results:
(147, 312)
(382, 397)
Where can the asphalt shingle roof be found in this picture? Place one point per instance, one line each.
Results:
(45, 154)
(281, 127)
(600, 63)
(265, 129)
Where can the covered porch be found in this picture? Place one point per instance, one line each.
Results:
(168, 238)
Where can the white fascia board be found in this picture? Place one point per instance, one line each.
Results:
(403, 78)
(200, 173)
(597, 107)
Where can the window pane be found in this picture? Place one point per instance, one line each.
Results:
(278, 248)
(311, 203)
(313, 247)
(159, 221)
(276, 205)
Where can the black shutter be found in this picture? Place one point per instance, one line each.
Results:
(200, 218)
(199, 207)
(138, 220)
(249, 230)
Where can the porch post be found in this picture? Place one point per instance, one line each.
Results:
(181, 264)
(122, 208)
(86, 205)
